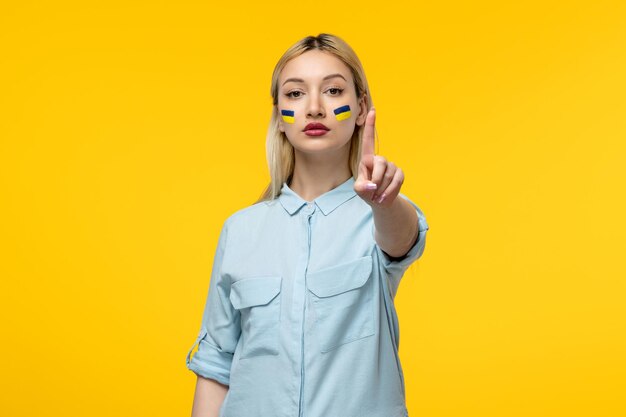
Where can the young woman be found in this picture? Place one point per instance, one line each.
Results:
(299, 319)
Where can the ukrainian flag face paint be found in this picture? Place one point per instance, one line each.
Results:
(342, 113)
(288, 116)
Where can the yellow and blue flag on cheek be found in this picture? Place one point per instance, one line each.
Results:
(288, 116)
(342, 113)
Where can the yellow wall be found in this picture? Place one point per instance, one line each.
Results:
(130, 130)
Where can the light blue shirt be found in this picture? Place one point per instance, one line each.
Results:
(299, 319)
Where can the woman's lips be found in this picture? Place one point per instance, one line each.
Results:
(315, 132)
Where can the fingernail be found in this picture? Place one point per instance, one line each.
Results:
(382, 197)
(370, 186)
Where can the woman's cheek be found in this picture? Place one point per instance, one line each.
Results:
(288, 115)
(342, 113)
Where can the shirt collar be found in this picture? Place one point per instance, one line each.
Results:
(327, 202)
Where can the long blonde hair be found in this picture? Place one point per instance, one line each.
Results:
(279, 152)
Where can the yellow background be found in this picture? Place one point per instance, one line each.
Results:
(131, 130)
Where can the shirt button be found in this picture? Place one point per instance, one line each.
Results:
(310, 208)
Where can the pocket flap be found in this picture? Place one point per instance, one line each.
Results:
(340, 278)
(254, 291)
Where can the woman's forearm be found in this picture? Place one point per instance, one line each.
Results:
(396, 227)
(208, 397)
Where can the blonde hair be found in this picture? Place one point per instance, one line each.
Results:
(279, 152)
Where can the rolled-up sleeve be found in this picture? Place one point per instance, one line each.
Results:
(220, 329)
(395, 267)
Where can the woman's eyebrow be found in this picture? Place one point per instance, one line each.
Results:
(300, 80)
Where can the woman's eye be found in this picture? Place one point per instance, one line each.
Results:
(334, 91)
(340, 90)
(289, 94)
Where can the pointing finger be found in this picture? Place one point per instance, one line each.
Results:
(367, 143)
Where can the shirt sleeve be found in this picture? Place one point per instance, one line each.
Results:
(220, 329)
(395, 267)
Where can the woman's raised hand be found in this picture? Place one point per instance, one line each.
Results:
(379, 180)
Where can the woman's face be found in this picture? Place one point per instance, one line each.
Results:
(316, 87)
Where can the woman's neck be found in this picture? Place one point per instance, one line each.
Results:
(310, 180)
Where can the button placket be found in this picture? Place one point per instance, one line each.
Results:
(309, 208)
(308, 211)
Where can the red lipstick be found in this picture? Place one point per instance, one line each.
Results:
(315, 129)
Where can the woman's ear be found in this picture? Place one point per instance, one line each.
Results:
(360, 120)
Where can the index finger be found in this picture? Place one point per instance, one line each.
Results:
(368, 134)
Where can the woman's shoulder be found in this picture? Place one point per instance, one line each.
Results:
(251, 213)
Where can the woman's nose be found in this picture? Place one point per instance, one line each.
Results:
(315, 106)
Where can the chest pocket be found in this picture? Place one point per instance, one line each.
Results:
(258, 301)
(342, 296)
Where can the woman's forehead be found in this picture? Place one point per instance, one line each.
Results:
(314, 66)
